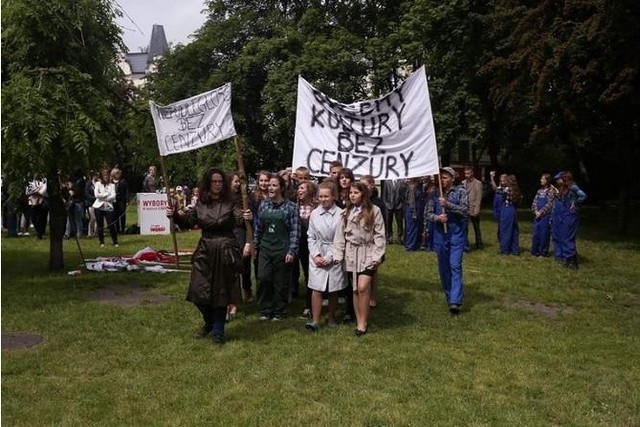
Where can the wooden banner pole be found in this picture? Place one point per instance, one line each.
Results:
(170, 202)
(243, 190)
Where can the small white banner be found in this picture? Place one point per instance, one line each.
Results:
(195, 122)
(152, 216)
(389, 137)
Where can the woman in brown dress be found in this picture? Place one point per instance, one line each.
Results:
(217, 261)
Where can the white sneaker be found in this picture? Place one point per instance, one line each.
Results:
(306, 314)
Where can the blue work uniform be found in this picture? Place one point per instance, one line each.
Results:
(449, 245)
(564, 223)
(543, 203)
(508, 230)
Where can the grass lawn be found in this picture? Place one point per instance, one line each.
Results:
(536, 344)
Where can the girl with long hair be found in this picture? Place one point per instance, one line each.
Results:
(306, 194)
(105, 193)
(345, 179)
(360, 242)
(508, 230)
(565, 219)
(541, 208)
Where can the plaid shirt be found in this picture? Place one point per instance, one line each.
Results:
(293, 222)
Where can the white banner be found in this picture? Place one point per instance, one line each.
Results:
(390, 137)
(152, 216)
(195, 122)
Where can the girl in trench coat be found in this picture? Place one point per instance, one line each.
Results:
(324, 275)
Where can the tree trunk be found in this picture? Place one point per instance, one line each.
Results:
(57, 223)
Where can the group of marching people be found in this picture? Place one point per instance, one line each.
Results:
(335, 233)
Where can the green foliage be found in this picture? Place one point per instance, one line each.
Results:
(538, 86)
(59, 93)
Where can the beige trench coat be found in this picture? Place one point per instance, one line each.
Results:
(358, 247)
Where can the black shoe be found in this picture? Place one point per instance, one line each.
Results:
(360, 333)
(218, 339)
(204, 331)
(312, 327)
(454, 309)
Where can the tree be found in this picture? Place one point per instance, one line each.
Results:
(60, 90)
(569, 73)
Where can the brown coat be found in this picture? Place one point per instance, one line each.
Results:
(216, 261)
(474, 191)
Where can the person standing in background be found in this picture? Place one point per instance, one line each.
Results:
(105, 193)
(541, 208)
(429, 186)
(38, 199)
(565, 220)
(122, 197)
(393, 191)
(474, 191)
(413, 214)
(498, 196)
(77, 205)
(509, 231)
(150, 183)
(90, 199)
(306, 204)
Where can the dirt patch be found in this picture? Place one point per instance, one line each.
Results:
(548, 310)
(19, 340)
(127, 296)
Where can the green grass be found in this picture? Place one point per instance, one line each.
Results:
(497, 364)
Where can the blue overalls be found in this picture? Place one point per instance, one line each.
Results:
(449, 246)
(564, 223)
(508, 231)
(541, 225)
(413, 218)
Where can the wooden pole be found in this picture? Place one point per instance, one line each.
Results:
(243, 189)
(441, 195)
(169, 201)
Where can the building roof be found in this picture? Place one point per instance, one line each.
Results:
(158, 44)
(138, 62)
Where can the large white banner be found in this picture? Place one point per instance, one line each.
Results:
(195, 122)
(152, 216)
(389, 137)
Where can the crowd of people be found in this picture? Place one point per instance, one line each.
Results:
(334, 234)
(91, 202)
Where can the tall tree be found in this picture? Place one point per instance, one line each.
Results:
(570, 73)
(60, 88)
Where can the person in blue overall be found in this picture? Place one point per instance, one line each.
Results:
(450, 209)
(413, 214)
(541, 208)
(564, 219)
(498, 196)
(429, 189)
(508, 230)
(277, 234)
